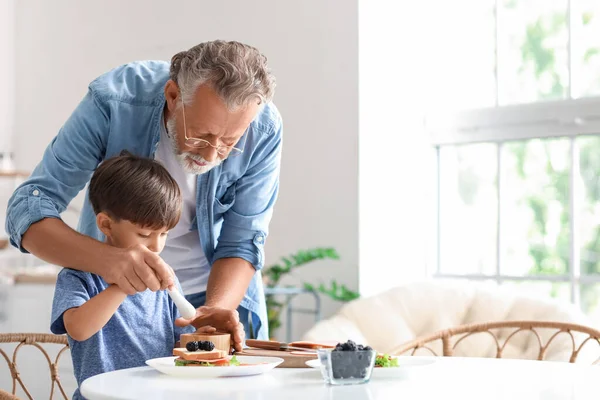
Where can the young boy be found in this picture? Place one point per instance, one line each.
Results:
(136, 202)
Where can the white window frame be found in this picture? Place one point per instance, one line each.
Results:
(565, 118)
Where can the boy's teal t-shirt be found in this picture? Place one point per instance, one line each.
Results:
(142, 328)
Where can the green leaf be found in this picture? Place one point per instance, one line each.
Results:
(287, 262)
(386, 361)
(274, 273)
(338, 292)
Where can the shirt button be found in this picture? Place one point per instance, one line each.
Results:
(36, 192)
(260, 239)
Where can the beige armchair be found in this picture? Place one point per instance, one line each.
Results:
(4, 395)
(390, 320)
(544, 333)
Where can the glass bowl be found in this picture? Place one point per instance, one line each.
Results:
(346, 367)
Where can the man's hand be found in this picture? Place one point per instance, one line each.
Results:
(132, 270)
(136, 269)
(221, 320)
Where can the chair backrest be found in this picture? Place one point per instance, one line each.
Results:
(501, 333)
(7, 396)
(389, 319)
(36, 340)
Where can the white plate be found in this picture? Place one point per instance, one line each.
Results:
(258, 365)
(407, 366)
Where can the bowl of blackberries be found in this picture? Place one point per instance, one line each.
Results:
(348, 363)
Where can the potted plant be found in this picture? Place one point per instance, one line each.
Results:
(273, 274)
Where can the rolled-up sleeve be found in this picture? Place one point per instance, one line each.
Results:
(246, 223)
(66, 167)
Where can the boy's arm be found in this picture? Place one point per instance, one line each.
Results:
(84, 321)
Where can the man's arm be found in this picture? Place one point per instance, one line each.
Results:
(67, 165)
(223, 291)
(33, 215)
(85, 321)
(240, 248)
(229, 278)
(131, 269)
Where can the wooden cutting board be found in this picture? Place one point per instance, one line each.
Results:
(290, 360)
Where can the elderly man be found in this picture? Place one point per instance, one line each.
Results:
(208, 117)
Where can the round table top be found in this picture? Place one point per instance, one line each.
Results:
(448, 378)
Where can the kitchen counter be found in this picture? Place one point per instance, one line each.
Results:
(44, 274)
(18, 268)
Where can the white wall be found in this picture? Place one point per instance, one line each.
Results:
(7, 71)
(312, 48)
(7, 95)
(395, 160)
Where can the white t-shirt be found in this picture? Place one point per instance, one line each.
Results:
(183, 251)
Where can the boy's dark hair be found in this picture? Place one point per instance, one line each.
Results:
(137, 189)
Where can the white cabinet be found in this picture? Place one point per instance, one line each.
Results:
(27, 308)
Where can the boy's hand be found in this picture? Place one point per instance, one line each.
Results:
(136, 269)
(220, 319)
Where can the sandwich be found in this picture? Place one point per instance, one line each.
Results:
(202, 354)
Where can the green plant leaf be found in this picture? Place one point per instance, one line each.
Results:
(274, 273)
(335, 291)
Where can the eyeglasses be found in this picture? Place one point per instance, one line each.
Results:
(198, 143)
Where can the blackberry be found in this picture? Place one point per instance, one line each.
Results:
(350, 345)
(207, 345)
(192, 346)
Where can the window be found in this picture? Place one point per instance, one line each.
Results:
(516, 132)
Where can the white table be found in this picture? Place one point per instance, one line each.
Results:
(448, 378)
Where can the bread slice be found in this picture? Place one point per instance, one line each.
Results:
(199, 355)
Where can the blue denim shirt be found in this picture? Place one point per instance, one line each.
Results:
(122, 110)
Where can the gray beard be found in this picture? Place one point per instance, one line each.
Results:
(184, 158)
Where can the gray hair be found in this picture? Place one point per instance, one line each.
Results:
(237, 72)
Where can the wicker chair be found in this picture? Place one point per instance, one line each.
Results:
(33, 339)
(450, 338)
(7, 396)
